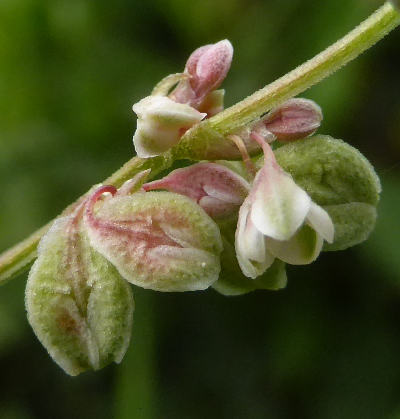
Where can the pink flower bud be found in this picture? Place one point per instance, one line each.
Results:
(191, 63)
(218, 190)
(295, 119)
(207, 67)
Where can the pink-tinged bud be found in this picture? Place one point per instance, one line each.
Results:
(156, 240)
(191, 63)
(295, 119)
(207, 67)
(218, 190)
(211, 67)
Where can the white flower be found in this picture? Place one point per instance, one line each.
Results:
(161, 123)
(278, 219)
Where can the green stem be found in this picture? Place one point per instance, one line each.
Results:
(208, 139)
(211, 134)
(19, 258)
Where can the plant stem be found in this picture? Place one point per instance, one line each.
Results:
(211, 134)
(206, 139)
(19, 258)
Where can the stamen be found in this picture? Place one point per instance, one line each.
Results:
(251, 168)
(267, 150)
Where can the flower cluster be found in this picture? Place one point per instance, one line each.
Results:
(232, 225)
(163, 117)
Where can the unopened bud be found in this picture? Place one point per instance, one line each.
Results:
(156, 240)
(210, 67)
(161, 123)
(218, 190)
(294, 119)
(207, 67)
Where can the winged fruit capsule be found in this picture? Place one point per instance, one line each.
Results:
(157, 240)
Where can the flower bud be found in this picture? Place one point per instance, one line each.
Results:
(77, 303)
(294, 119)
(161, 123)
(218, 190)
(207, 67)
(156, 240)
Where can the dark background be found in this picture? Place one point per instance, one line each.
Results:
(328, 346)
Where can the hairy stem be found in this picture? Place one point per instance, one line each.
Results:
(205, 139)
(211, 134)
(20, 257)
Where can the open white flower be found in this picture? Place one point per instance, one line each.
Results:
(161, 123)
(278, 219)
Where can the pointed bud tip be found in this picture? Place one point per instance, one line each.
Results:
(295, 119)
(213, 66)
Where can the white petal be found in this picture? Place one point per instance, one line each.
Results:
(167, 112)
(279, 206)
(321, 222)
(253, 257)
(160, 124)
(302, 249)
(149, 140)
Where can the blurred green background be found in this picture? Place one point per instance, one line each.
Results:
(328, 346)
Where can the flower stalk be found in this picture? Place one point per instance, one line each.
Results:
(212, 131)
(201, 141)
